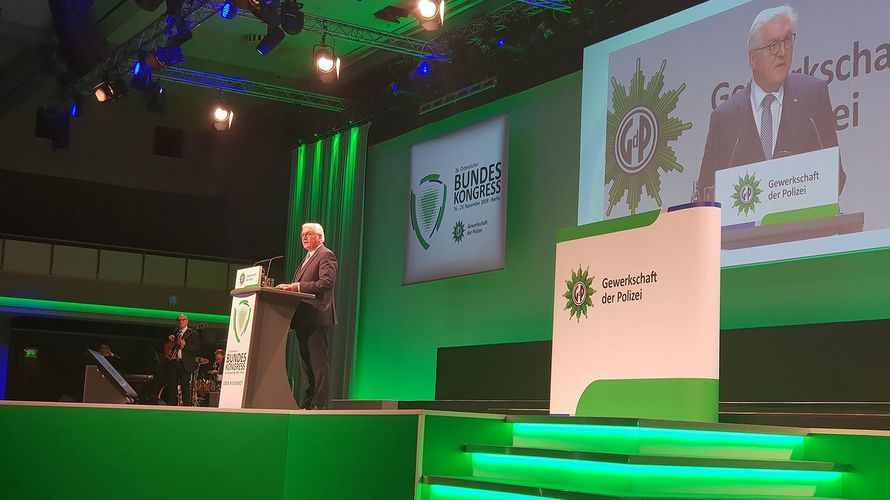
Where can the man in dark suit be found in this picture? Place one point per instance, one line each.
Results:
(186, 345)
(314, 318)
(778, 114)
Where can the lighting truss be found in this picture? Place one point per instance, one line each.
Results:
(251, 88)
(501, 18)
(453, 97)
(149, 38)
(369, 37)
(558, 5)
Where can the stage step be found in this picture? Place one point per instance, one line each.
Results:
(658, 437)
(591, 472)
(473, 488)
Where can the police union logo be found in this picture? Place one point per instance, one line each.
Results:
(579, 290)
(635, 140)
(746, 193)
(639, 127)
(428, 208)
(242, 319)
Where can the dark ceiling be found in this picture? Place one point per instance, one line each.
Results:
(539, 44)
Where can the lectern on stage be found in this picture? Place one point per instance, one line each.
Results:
(254, 375)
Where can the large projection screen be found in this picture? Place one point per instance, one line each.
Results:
(458, 203)
(658, 85)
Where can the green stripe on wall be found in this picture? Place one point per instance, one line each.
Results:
(801, 214)
(607, 226)
(107, 310)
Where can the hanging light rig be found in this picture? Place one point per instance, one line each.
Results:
(327, 64)
(223, 115)
(430, 14)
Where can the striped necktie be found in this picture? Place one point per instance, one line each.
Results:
(766, 126)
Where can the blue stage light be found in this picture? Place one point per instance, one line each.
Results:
(73, 111)
(228, 10)
(501, 42)
(169, 56)
(137, 68)
(394, 88)
(273, 37)
(423, 68)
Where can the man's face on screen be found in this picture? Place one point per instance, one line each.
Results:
(771, 69)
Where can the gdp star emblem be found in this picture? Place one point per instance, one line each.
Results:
(746, 193)
(638, 130)
(578, 294)
(428, 208)
(457, 233)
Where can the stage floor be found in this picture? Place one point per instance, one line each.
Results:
(73, 450)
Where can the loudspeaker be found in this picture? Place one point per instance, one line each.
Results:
(98, 389)
(52, 123)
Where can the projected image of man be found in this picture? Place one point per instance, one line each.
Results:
(778, 114)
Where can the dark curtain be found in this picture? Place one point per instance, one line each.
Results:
(327, 187)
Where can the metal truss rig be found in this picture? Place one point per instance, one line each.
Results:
(255, 89)
(370, 37)
(148, 38)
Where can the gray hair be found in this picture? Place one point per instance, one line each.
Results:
(765, 17)
(316, 228)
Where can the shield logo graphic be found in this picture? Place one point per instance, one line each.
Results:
(428, 208)
(242, 317)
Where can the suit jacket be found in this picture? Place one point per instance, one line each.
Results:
(805, 97)
(317, 276)
(192, 347)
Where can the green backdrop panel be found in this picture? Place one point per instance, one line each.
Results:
(845, 287)
(351, 456)
(400, 327)
(76, 452)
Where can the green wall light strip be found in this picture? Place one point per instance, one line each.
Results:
(349, 183)
(134, 312)
(333, 174)
(296, 205)
(317, 173)
(444, 492)
(624, 432)
(555, 468)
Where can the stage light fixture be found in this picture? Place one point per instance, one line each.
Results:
(292, 18)
(141, 72)
(274, 36)
(101, 92)
(430, 14)
(228, 10)
(110, 90)
(166, 56)
(52, 123)
(223, 115)
(501, 42)
(76, 107)
(423, 68)
(327, 64)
